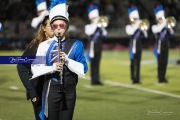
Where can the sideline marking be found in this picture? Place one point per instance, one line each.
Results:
(143, 89)
(137, 88)
(13, 88)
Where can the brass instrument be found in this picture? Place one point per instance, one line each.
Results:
(144, 25)
(103, 21)
(171, 22)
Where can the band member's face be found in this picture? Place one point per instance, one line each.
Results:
(48, 31)
(94, 20)
(160, 20)
(59, 26)
(134, 20)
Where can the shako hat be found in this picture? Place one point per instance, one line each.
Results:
(58, 11)
(93, 11)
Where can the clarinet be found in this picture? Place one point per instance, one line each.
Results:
(61, 61)
(61, 90)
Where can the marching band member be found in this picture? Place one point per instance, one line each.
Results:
(59, 97)
(34, 87)
(95, 35)
(41, 12)
(135, 48)
(161, 31)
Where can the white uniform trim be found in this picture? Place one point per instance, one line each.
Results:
(46, 103)
(76, 67)
(158, 28)
(160, 14)
(37, 20)
(59, 10)
(93, 14)
(91, 52)
(131, 29)
(134, 14)
(41, 69)
(42, 6)
(90, 29)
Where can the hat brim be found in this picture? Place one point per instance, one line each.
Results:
(59, 18)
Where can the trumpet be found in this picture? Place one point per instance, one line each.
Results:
(103, 21)
(171, 22)
(144, 25)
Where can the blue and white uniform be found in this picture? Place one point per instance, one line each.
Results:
(161, 50)
(95, 36)
(135, 47)
(76, 65)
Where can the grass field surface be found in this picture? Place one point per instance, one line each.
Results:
(117, 99)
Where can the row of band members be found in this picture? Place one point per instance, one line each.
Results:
(137, 30)
(43, 89)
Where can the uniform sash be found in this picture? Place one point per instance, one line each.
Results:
(160, 37)
(94, 39)
(135, 37)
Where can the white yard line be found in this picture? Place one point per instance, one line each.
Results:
(142, 89)
(131, 86)
(137, 88)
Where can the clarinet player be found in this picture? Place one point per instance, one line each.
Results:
(60, 105)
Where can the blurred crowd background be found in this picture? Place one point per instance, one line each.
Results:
(16, 15)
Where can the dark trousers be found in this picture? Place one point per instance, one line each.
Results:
(37, 108)
(55, 111)
(162, 65)
(135, 67)
(38, 104)
(95, 67)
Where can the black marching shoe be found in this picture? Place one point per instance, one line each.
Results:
(97, 83)
(165, 81)
(136, 82)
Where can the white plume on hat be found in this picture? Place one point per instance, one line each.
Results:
(133, 12)
(159, 12)
(93, 11)
(37, 20)
(41, 5)
(58, 10)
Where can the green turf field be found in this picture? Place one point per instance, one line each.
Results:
(117, 99)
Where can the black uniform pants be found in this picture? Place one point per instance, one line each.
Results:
(135, 67)
(38, 104)
(162, 65)
(95, 68)
(55, 111)
(37, 108)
